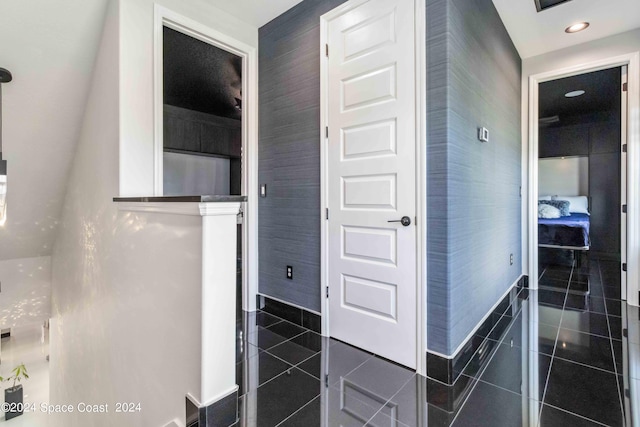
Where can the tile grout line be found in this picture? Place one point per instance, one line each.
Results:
(482, 371)
(391, 398)
(555, 344)
(613, 353)
(260, 350)
(477, 380)
(330, 387)
(577, 415)
(537, 401)
(298, 410)
(484, 339)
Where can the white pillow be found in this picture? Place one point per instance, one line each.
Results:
(548, 211)
(577, 204)
(544, 198)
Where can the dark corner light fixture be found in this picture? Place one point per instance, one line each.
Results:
(577, 27)
(5, 77)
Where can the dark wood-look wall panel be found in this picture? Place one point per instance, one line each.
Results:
(181, 134)
(473, 204)
(289, 154)
(564, 141)
(604, 189)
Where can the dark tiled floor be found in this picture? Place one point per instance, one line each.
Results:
(560, 359)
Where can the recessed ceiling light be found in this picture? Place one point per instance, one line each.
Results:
(579, 26)
(574, 93)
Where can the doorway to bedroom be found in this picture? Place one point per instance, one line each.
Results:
(582, 186)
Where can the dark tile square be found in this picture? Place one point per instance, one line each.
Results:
(264, 338)
(309, 415)
(282, 396)
(546, 338)
(264, 364)
(579, 288)
(244, 350)
(488, 405)
(615, 324)
(585, 303)
(438, 418)
(260, 318)
(577, 277)
(553, 284)
(404, 407)
(614, 307)
(549, 315)
(286, 329)
(575, 388)
(380, 378)
(617, 355)
(590, 350)
(587, 322)
(551, 298)
(299, 348)
(335, 362)
(284, 311)
(508, 365)
(312, 321)
(553, 417)
(612, 292)
(222, 413)
(558, 273)
(349, 406)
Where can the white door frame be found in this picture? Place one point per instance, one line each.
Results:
(421, 172)
(166, 17)
(632, 60)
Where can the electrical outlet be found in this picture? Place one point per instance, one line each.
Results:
(511, 259)
(289, 272)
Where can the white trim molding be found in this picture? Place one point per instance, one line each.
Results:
(421, 172)
(632, 60)
(191, 209)
(166, 17)
(186, 208)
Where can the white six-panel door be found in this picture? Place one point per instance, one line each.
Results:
(371, 178)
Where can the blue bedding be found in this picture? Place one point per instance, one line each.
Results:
(570, 230)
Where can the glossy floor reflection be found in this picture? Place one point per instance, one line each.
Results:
(569, 355)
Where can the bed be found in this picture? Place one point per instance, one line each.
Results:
(567, 232)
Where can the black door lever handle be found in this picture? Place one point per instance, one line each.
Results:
(405, 220)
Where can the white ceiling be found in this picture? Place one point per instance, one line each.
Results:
(255, 12)
(536, 33)
(50, 47)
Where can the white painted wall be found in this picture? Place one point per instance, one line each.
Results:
(136, 80)
(585, 53)
(563, 177)
(126, 286)
(50, 48)
(26, 291)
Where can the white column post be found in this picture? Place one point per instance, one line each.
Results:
(218, 378)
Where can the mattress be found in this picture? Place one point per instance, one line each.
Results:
(568, 231)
